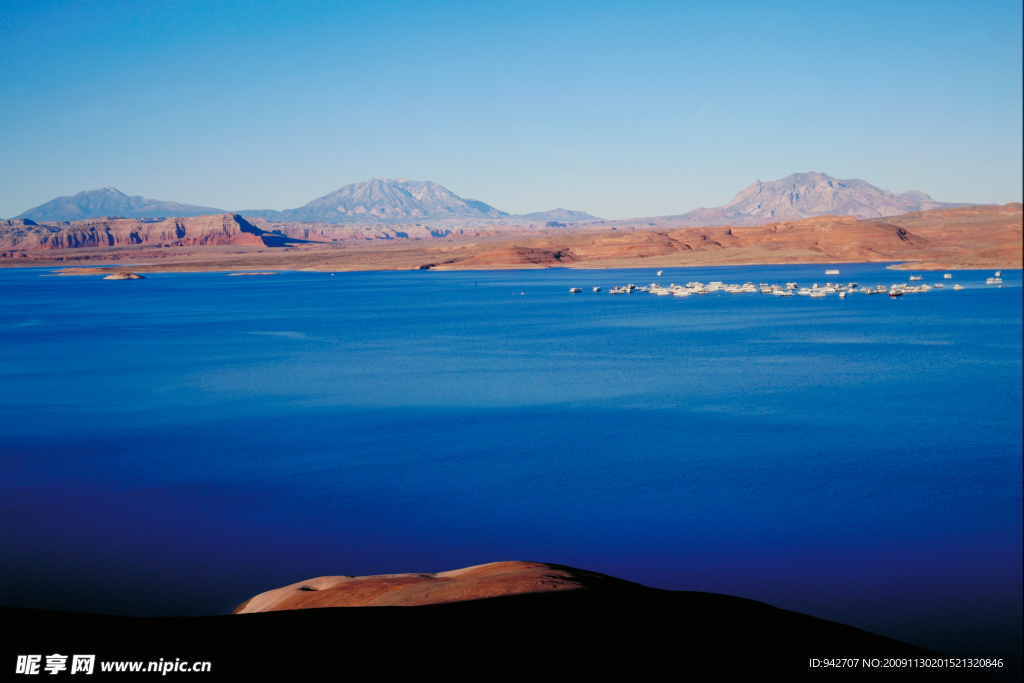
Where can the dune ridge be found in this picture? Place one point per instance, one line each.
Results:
(492, 580)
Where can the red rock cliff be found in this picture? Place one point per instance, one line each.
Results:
(225, 228)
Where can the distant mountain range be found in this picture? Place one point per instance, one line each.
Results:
(381, 200)
(805, 195)
(399, 201)
(385, 200)
(561, 216)
(108, 201)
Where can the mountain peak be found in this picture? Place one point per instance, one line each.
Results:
(386, 200)
(109, 201)
(802, 195)
(561, 215)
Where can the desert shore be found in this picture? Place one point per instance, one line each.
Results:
(976, 237)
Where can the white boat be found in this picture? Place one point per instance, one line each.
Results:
(842, 295)
(660, 272)
(939, 285)
(803, 291)
(597, 289)
(831, 272)
(817, 294)
(994, 281)
(958, 286)
(998, 273)
(575, 290)
(915, 277)
(948, 276)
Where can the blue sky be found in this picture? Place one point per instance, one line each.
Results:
(613, 108)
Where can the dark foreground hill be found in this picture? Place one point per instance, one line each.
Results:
(592, 626)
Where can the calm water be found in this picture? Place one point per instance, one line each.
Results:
(178, 444)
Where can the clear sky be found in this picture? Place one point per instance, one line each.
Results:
(617, 109)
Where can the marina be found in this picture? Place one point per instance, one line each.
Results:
(815, 291)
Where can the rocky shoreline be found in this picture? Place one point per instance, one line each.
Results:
(974, 237)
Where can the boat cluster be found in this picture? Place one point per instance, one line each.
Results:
(684, 290)
(790, 288)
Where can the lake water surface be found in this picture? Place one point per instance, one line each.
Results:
(175, 445)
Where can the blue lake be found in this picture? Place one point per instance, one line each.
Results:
(175, 445)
